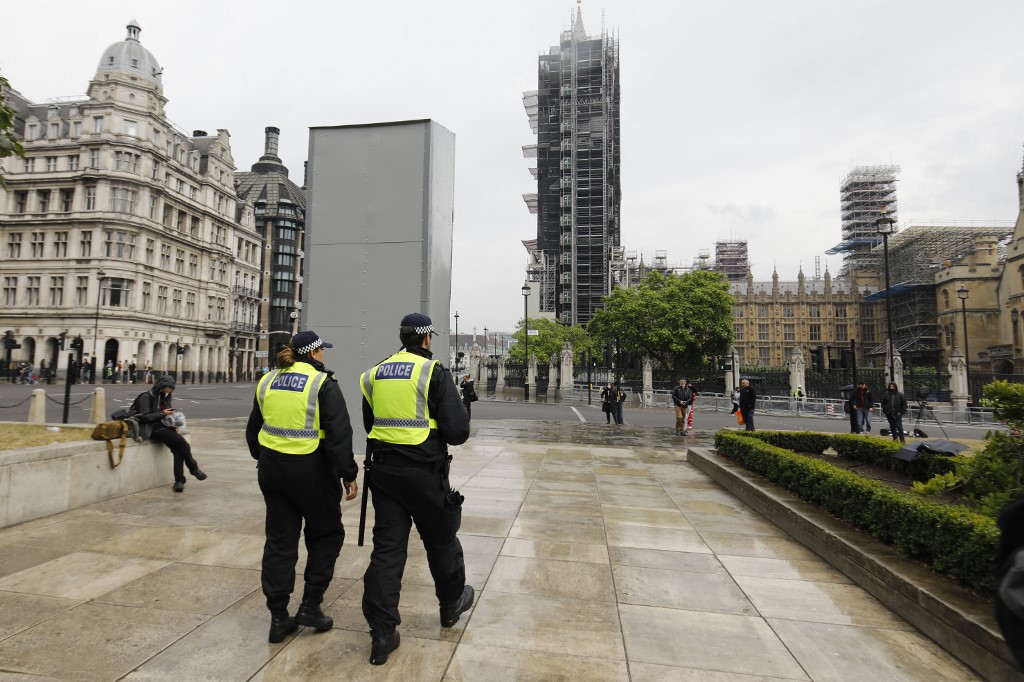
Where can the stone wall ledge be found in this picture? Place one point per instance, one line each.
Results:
(956, 619)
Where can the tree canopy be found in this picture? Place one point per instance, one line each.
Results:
(550, 339)
(669, 318)
(9, 144)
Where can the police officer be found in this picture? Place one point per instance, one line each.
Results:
(412, 413)
(299, 431)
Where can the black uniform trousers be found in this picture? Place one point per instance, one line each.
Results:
(180, 448)
(297, 488)
(401, 496)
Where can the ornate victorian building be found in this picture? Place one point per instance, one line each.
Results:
(124, 231)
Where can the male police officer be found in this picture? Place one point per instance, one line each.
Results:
(412, 412)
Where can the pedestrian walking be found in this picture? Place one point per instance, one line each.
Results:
(608, 402)
(863, 403)
(747, 403)
(620, 400)
(680, 399)
(468, 395)
(412, 414)
(131, 372)
(151, 407)
(798, 399)
(894, 405)
(735, 400)
(300, 433)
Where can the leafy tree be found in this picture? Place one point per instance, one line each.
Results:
(9, 144)
(669, 318)
(550, 339)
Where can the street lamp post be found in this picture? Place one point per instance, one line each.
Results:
(485, 340)
(294, 315)
(456, 342)
(885, 226)
(526, 342)
(96, 328)
(963, 294)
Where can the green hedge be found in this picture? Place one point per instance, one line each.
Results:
(873, 451)
(953, 540)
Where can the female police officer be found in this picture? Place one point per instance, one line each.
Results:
(300, 433)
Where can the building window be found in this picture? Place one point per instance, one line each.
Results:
(737, 332)
(168, 212)
(763, 310)
(840, 310)
(190, 306)
(147, 292)
(10, 291)
(129, 127)
(286, 260)
(179, 262)
(193, 265)
(54, 131)
(81, 291)
(291, 234)
(155, 137)
(73, 161)
(85, 244)
(814, 311)
(14, 245)
(44, 200)
(788, 310)
(51, 164)
(119, 244)
(194, 227)
(37, 242)
(30, 165)
(150, 249)
(869, 333)
(180, 221)
(31, 131)
(56, 291)
(76, 129)
(119, 292)
(20, 202)
(67, 200)
(32, 290)
(867, 311)
(764, 357)
(156, 170)
(153, 205)
(97, 124)
(161, 300)
(165, 257)
(814, 332)
(945, 299)
(122, 200)
(789, 332)
(763, 332)
(94, 158)
(123, 161)
(90, 198)
(842, 332)
(60, 244)
(180, 186)
(176, 303)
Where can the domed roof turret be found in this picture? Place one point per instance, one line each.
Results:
(130, 57)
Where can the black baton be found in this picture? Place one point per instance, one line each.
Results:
(366, 488)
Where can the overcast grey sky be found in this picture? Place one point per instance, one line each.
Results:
(739, 118)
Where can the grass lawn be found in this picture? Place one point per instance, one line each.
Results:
(17, 436)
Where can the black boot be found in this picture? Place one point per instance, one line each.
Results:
(310, 615)
(381, 646)
(450, 612)
(281, 628)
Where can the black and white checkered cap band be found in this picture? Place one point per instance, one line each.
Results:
(307, 349)
(424, 330)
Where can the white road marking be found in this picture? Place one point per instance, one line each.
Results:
(578, 414)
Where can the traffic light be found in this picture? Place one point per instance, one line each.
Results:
(817, 359)
(63, 339)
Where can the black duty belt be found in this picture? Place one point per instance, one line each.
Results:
(396, 459)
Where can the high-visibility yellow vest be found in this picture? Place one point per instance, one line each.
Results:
(291, 412)
(396, 389)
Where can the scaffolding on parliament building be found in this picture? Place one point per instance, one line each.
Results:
(731, 259)
(916, 253)
(575, 114)
(866, 193)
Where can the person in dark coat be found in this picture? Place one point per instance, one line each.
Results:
(748, 401)
(305, 457)
(411, 422)
(894, 405)
(151, 407)
(468, 395)
(608, 402)
(682, 399)
(862, 404)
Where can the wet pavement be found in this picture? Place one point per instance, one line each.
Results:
(597, 551)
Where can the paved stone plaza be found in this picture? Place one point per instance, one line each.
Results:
(598, 554)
